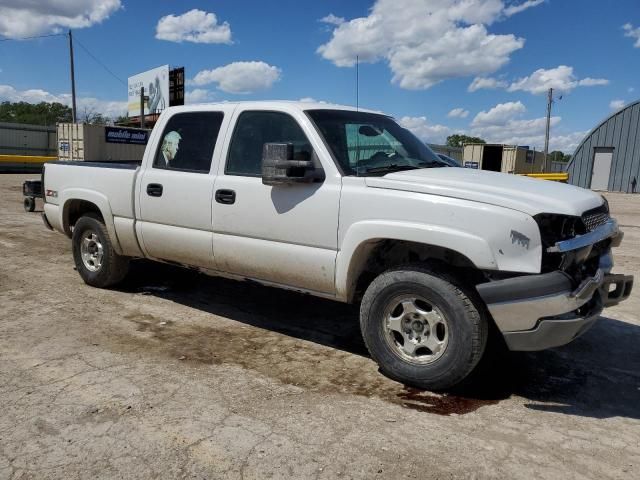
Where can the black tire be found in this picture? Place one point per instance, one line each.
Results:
(465, 321)
(113, 267)
(29, 204)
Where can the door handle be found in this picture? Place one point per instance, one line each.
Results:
(154, 190)
(226, 197)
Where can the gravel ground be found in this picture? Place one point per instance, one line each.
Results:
(178, 375)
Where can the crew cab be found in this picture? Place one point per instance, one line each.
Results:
(346, 204)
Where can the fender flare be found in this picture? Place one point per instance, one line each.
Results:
(475, 248)
(100, 201)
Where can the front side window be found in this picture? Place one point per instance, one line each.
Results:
(188, 141)
(371, 144)
(253, 130)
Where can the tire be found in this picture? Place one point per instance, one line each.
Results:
(29, 204)
(101, 266)
(433, 345)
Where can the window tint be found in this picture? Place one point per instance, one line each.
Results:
(253, 130)
(188, 141)
(368, 143)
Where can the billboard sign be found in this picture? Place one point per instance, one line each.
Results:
(125, 135)
(156, 87)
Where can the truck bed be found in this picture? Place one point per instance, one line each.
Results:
(108, 185)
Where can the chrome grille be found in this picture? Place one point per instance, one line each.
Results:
(592, 219)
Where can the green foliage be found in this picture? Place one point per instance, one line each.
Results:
(558, 156)
(457, 140)
(42, 113)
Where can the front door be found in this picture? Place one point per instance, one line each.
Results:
(176, 190)
(286, 234)
(601, 168)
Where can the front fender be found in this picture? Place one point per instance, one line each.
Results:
(509, 242)
(473, 247)
(99, 200)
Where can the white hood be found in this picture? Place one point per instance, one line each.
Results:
(528, 195)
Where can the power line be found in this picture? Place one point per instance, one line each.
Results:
(100, 63)
(34, 37)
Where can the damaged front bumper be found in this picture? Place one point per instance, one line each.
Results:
(535, 312)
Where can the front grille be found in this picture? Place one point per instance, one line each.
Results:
(596, 217)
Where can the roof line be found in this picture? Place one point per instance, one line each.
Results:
(592, 131)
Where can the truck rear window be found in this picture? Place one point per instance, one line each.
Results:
(188, 141)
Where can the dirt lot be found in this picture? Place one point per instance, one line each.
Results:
(177, 375)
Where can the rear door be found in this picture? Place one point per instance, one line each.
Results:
(286, 234)
(176, 188)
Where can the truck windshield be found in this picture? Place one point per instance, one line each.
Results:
(369, 144)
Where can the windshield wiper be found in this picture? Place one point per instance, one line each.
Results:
(390, 168)
(431, 164)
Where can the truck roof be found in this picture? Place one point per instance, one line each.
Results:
(302, 105)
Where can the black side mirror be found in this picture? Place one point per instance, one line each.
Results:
(279, 167)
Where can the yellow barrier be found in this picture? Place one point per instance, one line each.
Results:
(25, 159)
(554, 177)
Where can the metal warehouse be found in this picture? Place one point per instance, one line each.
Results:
(609, 157)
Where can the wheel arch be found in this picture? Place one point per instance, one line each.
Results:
(372, 248)
(79, 202)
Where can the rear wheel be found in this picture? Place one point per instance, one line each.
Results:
(96, 261)
(422, 327)
(29, 204)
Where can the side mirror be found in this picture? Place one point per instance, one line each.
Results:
(279, 167)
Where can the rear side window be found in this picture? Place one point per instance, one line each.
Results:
(188, 141)
(253, 130)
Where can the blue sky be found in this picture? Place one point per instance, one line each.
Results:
(418, 58)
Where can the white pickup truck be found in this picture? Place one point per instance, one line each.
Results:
(346, 204)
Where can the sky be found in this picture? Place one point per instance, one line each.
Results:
(478, 67)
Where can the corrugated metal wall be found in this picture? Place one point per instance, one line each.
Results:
(621, 131)
(453, 152)
(23, 139)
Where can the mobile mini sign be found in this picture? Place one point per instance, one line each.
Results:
(156, 87)
(125, 135)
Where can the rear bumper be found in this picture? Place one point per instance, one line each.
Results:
(543, 311)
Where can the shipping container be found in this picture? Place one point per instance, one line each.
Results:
(502, 158)
(91, 143)
(25, 139)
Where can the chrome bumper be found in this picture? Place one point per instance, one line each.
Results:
(608, 230)
(543, 311)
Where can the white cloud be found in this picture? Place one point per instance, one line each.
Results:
(631, 32)
(486, 82)
(617, 104)
(194, 26)
(560, 78)
(502, 124)
(425, 42)
(240, 77)
(197, 95)
(23, 18)
(332, 19)
(500, 114)
(592, 82)
(107, 108)
(513, 9)
(458, 113)
(425, 131)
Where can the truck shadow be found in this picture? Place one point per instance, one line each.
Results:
(597, 376)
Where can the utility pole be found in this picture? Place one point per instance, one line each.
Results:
(546, 136)
(142, 100)
(73, 80)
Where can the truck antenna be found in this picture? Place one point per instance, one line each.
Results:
(357, 83)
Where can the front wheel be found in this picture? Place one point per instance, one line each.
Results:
(422, 328)
(96, 261)
(29, 204)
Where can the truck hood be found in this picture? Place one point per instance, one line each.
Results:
(528, 195)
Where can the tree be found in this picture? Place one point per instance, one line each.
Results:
(458, 139)
(92, 117)
(558, 156)
(42, 113)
